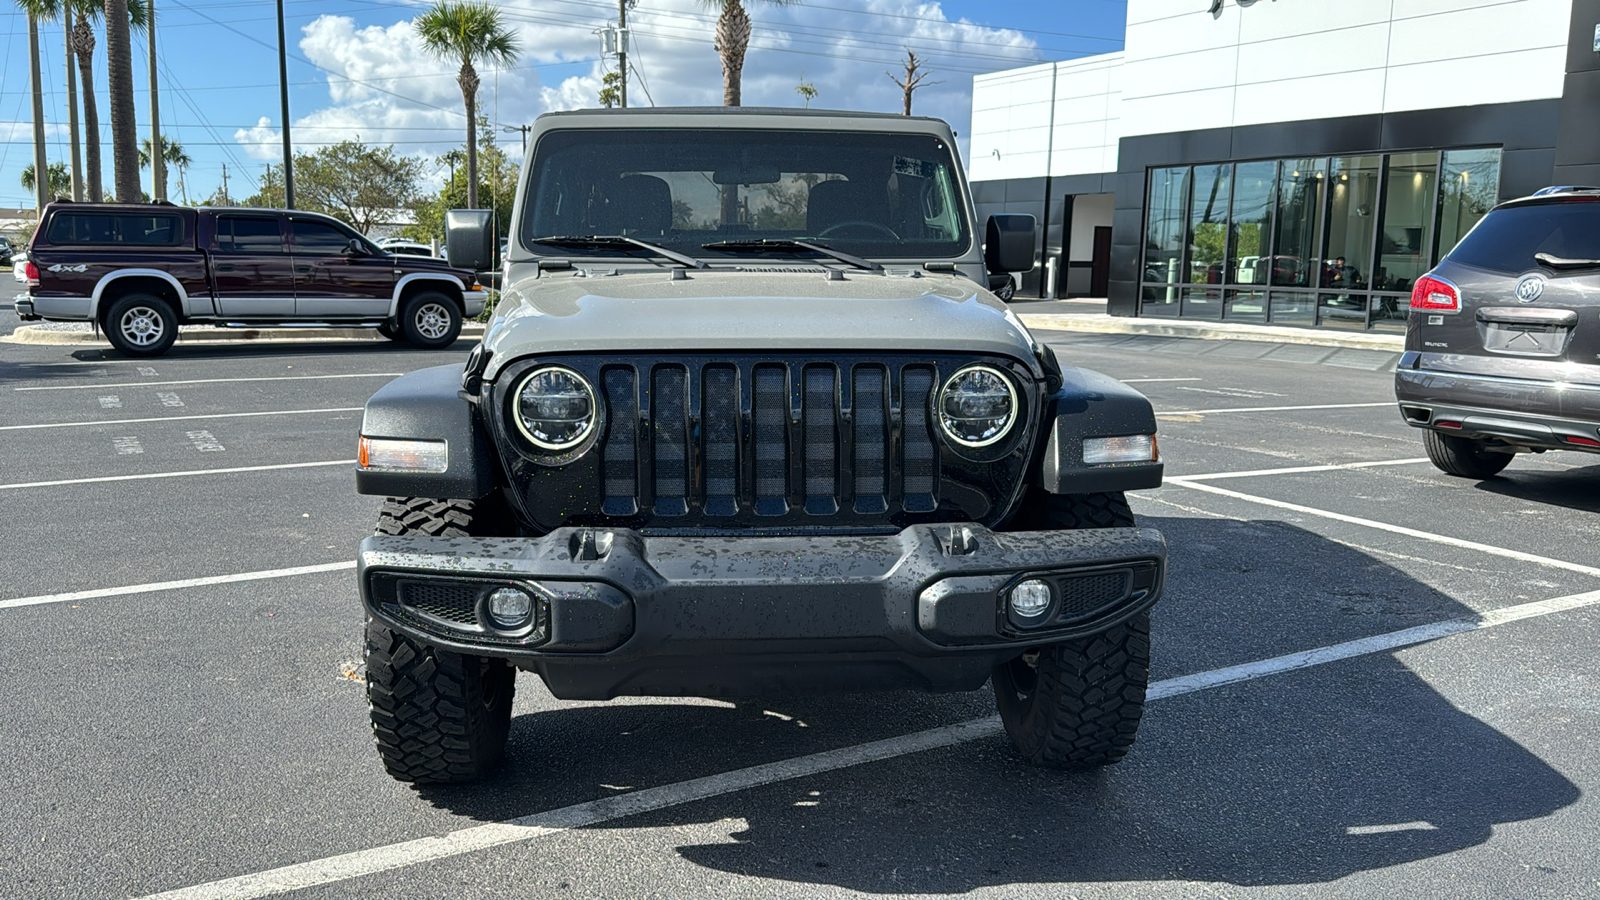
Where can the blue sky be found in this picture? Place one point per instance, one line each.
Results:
(355, 71)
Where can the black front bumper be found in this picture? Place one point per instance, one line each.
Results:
(622, 613)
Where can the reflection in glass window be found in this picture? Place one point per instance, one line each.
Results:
(1406, 238)
(1246, 306)
(1352, 223)
(1163, 244)
(1302, 194)
(1208, 223)
(1251, 231)
(1469, 185)
(1297, 308)
(1159, 301)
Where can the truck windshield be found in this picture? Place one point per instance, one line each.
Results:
(868, 194)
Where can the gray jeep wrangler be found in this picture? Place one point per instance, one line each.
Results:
(748, 418)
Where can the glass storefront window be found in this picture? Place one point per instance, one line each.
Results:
(1293, 308)
(1389, 312)
(1469, 185)
(1208, 223)
(1342, 311)
(1202, 303)
(1406, 236)
(1352, 222)
(1250, 234)
(1246, 306)
(1163, 240)
(1302, 194)
(1159, 301)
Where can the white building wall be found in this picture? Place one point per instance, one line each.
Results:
(1264, 61)
(1011, 117)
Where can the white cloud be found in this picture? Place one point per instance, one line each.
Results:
(386, 89)
(22, 132)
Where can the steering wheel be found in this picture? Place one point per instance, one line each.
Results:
(859, 224)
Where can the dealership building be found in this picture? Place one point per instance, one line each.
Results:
(1293, 162)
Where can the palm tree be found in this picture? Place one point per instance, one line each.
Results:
(733, 39)
(172, 154)
(59, 181)
(119, 71)
(33, 9)
(468, 30)
(87, 13)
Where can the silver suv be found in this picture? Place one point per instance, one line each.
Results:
(1503, 344)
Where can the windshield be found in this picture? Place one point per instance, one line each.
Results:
(873, 195)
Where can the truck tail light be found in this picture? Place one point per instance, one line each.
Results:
(1435, 294)
(31, 273)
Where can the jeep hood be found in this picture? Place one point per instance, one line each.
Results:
(743, 311)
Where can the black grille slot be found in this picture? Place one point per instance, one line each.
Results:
(771, 440)
(1090, 593)
(456, 603)
(821, 441)
(620, 457)
(670, 427)
(870, 439)
(920, 467)
(720, 422)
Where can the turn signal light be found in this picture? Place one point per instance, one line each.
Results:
(1133, 448)
(1435, 294)
(402, 456)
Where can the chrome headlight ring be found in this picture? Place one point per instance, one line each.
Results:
(556, 410)
(977, 407)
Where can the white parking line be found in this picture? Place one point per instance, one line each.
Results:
(151, 475)
(469, 840)
(1253, 409)
(153, 587)
(1149, 380)
(246, 415)
(1393, 529)
(88, 387)
(1295, 470)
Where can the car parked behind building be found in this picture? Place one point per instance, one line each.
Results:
(138, 271)
(1503, 342)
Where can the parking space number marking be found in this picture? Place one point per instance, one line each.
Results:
(205, 442)
(111, 402)
(127, 446)
(168, 399)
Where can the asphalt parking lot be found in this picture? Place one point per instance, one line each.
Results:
(1371, 679)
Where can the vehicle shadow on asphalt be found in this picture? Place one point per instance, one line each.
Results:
(1577, 489)
(272, 349)
(1297, 778)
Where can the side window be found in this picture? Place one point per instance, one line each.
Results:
(249, 234)
(319, 239)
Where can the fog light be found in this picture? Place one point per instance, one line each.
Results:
(1030, 599)
(510, 608)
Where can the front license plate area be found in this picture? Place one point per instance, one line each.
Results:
(1525, 339)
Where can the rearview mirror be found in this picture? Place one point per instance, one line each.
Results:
(469, 239)
(746, 175)
(1009, 243)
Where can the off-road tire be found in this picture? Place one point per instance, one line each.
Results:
(437, 717)
(430, 320)
(1044, 511)
(140, 325)
(1463, 457)
(1076, 705)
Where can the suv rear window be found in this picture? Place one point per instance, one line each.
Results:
(143, 229)
(1506, 240)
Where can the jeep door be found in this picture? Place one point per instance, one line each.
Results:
(250, 266)
(331, 281)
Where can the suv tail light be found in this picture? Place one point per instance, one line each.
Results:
(31, 272)
(1435, 294)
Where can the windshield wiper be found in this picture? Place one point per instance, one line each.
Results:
(617, 240)
(787, 244)
(1559, 262)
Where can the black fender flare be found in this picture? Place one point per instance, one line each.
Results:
(1089, 405)
(429, 405)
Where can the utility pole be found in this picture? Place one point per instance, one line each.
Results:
(41, 166)
(158, 168)
(622, 50)
(225, 200)
(283, 92)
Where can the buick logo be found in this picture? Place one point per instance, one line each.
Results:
(1529, 288)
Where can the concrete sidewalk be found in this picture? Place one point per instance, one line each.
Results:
(1090, 316)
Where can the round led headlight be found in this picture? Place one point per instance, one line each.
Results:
(555, 408)
(977, 406)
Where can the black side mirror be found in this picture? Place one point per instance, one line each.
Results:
(355, 248)
(1009, 243)
(469, 239)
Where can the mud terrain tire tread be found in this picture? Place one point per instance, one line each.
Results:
(1087, 696)
(1463, 457)
(1044, 511)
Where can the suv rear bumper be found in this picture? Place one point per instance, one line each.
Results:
(622, 613)
(1519, 411)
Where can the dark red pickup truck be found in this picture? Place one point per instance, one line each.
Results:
(140, 270)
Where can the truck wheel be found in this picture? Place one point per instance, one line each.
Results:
(1043, 511)
(1076, 705)
(1463, 456)
(437, 717)
(430, 320)
(140, 325)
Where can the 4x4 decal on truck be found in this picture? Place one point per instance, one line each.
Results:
(81, 267)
